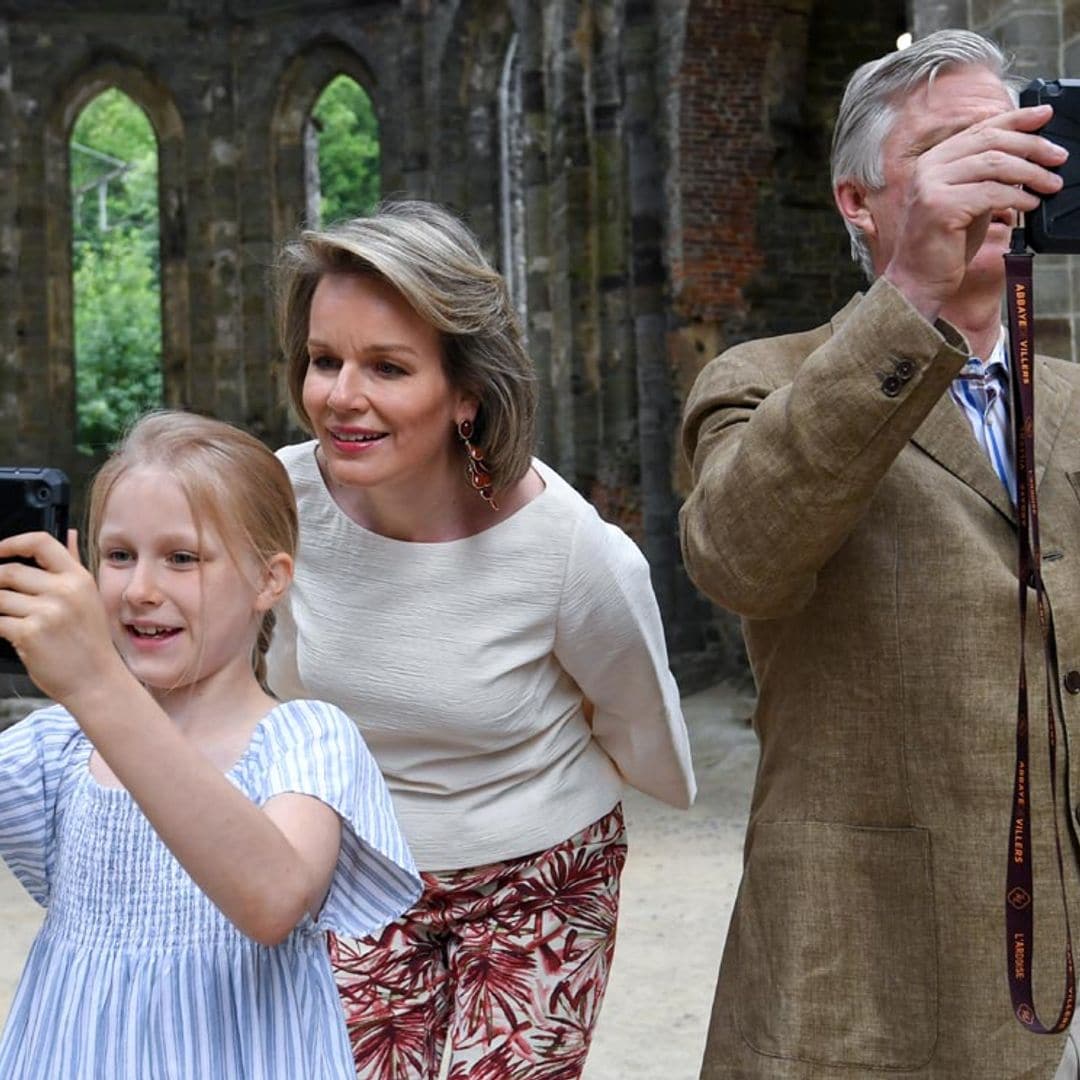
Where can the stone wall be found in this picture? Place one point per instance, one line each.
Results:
(651, 174)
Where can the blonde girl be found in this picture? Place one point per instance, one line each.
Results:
(192, 838)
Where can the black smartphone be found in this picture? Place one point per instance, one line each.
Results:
(31, 500)
(1054, 226)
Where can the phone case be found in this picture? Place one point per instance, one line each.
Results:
(1055, 225)
(31, 500)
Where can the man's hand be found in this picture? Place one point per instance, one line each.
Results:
(958, 187)
(52, 614)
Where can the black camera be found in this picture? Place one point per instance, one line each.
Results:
(31, 500)
(1054, 226)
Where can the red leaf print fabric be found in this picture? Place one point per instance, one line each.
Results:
(508, 961)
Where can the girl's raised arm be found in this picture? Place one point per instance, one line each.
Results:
(265, 868)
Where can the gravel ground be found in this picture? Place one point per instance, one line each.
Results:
(679, 885)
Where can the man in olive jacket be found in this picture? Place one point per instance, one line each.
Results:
(846, 505)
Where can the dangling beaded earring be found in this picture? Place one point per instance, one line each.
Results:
(475, 466)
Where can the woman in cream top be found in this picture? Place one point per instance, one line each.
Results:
(497, 643)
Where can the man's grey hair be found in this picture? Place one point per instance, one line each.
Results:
(869, 107)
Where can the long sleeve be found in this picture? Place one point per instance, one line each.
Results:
(787, 452)
(610, 639)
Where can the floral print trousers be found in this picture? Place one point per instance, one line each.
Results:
(508, 961)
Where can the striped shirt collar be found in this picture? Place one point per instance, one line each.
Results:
(997, 366)
(981, 390)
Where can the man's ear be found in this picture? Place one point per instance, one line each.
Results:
(276, 579)
(851, 201)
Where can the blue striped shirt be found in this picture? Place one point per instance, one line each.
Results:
(982, 393)
(135, 974)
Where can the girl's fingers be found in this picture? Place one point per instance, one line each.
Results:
(8, 627)
(15, 605)
(20, 578)
(44, 549)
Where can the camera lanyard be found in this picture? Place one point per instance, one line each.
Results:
(1020, 878)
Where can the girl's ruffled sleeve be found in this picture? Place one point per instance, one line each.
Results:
(33, 754)
(321, 754)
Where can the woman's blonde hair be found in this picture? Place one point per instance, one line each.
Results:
(435, 262)
(231, 481)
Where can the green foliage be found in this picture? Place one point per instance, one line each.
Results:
(348, 150)
(116, 269)
(112, 124)
(117, 336)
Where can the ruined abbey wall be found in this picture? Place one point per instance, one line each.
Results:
(651, 175)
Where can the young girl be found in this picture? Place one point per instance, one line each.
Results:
(191, 837)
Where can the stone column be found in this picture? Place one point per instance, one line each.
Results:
(616, 491)
(535, 196)
(657, 411)
(574, 367)
(9, 245)
(934, 15)
(412, 107)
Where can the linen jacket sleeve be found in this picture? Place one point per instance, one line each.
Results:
(610, 640)
(788, 439)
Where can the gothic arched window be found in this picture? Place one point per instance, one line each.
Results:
(116, 268)
(341, 153)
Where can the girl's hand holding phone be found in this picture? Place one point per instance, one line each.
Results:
(52, 614)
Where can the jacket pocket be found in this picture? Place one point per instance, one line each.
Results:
(835, 949)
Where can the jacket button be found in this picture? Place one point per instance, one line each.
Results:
(904, 369)
(890, 385)
(1072, 681)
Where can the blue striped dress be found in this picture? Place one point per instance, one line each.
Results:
(135, 974)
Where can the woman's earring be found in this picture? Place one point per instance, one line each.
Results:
(475, 466)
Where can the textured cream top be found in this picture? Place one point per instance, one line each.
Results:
(464, 664)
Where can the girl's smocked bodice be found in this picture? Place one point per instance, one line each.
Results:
(135, 972)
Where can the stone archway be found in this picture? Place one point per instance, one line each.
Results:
(154, 99)
(304, 79)
(466, 141)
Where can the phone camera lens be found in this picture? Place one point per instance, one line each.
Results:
(1053, 89)
(39, 495)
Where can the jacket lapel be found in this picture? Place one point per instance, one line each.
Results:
(1052, 394)
(947, 437)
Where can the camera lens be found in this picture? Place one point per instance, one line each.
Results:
(39, 495)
